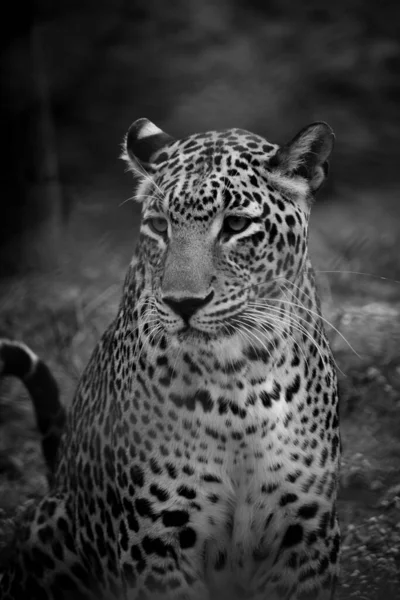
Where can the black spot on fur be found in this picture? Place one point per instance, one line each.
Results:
(155, 545)
(203, 397)
(175, 518)
(186, 492)
(144, 508)
(288, 499)
(211, 478)
(161, 494)
(137, 475)
(308, 511)
(293, 388)
(172, 470)
(293, 535)
(187, 538)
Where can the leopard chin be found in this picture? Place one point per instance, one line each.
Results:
(195, 336)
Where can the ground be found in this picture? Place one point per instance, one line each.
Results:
(354, 248)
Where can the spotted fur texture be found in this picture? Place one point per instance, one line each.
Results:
(202, 449)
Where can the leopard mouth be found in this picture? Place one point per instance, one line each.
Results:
(192, 334)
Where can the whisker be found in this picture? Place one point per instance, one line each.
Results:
(302, 291)
(150, 317)
(156, 332)
(289, 320)
(180, 351)
(261, 342)
(293, 322)
(130, 199)
(244, 333)
(140, 171)
(240, 331)
(311, 312)
(305, 320)
(278, 330)
(314, 323)
(280, 323)
(361, 273)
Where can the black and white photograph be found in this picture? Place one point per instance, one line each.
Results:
(200, 300)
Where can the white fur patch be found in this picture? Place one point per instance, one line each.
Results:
(293, 186)
(138, 171)
(124, 154)
(300, 147)
(147, 130)
(33, 358)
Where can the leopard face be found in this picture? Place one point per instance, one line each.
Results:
(224, 227)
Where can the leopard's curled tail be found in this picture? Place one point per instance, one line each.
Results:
(18, 360)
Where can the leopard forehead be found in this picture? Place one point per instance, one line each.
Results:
(207, 172)
(211, 147)
(166, 166)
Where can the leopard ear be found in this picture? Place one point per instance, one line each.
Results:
(306, 156)
(143, 143)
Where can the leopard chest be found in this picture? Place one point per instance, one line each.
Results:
(221, 461)
(219, 475)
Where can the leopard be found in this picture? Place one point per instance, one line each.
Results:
(201, 454)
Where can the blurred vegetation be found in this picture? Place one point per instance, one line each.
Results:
(269, 66)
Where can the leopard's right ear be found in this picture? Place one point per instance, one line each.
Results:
(142, 145)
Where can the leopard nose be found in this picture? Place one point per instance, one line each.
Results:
(186, 307)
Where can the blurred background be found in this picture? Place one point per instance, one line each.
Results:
(74, 75)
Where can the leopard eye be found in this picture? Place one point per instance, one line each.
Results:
(235, 224)
(158, 225)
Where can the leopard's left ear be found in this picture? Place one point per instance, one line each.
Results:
(307, 155)
(143, 143)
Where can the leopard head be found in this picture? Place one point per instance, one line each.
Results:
(224, 225)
